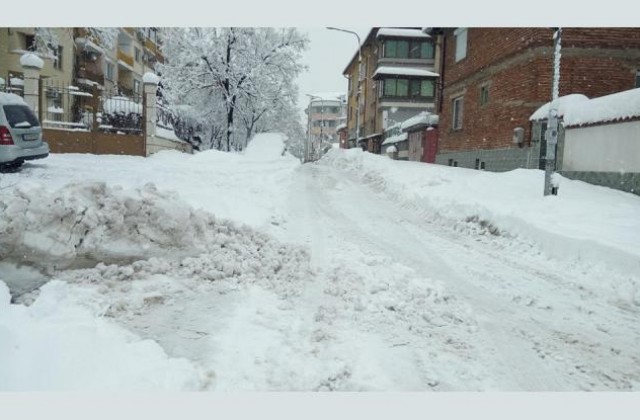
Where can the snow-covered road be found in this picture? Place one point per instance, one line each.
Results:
(332, 284)
(416, 305)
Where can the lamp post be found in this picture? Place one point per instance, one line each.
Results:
(359, 77)
(552, 125)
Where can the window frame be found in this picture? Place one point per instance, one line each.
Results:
(484, 95)
(461, 39)
(457, 114)
(409, 82)
(412, 45)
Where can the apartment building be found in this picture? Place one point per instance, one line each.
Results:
(493, 80)
(396, 80)
(325, 113)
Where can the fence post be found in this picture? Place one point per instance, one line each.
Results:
(150, 81)
(31, 65)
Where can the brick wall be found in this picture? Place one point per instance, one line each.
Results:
(516, 66)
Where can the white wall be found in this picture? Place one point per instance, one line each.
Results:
(603, 148)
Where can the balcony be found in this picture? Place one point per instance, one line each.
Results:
(91, 76)
(150, 45)
(125, 58)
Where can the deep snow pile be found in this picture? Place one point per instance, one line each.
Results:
(81, 225)
(265, 146)
(56, 344)
(585, 222)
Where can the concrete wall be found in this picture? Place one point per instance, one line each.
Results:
(496, 160)
(603, 148)
(156, 144)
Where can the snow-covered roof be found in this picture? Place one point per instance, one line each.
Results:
(328, 96)
(614, 107)
(121, 104)
(404, 71)
(395, 139)
(149, 77)
(31, 60)
(11, 98)
(341, 126)
(423, 118)
(87, 44)
(562, 103)
(402, 33)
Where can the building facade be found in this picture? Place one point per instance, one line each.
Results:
(326, 112)
(493, 79)
(395, 81)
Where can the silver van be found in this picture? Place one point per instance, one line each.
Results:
(20, 133)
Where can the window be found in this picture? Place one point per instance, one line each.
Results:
(408, 49)
(457, 113)
(461, 43)
(136, 87)
(477, 165)
(484, 95)
(57, 58)
(20, 113)
(110, 71)
(450, 163)
(638, 78)
(137, 54)
(30, 42)
(411, 88)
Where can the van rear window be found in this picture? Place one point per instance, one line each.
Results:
(17, 114)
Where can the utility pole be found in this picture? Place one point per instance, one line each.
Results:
(552, 125)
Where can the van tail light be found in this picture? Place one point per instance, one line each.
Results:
(5, 136)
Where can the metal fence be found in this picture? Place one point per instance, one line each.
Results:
(68, 107)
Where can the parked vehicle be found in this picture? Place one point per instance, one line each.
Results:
(20, 133)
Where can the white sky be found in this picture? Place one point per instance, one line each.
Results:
(328, 54)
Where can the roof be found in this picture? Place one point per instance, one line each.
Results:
(328, 96)
(404, 71)
(424, 118)
(355, 55)
(402, 33)
(615, 107)
(395, 139)
(562, 103)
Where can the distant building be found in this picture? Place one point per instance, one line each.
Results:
(494, 79)
(325, 113)
(399, 81)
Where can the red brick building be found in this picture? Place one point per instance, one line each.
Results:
(493, 79)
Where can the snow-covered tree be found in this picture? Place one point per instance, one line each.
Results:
(237, 76)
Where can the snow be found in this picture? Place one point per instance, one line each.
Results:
(403, 71)
(615, 107)
(562, 104)
(401, 32)
(396, 139)
(55, 110)
(2, 82)
(15, 81)
(251, 272)
(265, 146)
(341, 126)
(11, 98)
(391, 149)
(423, 118)
(151, 78)
(583, 222)
(121, 104)
(31, 60)
(56, 344)
(328, 96)
(167, 134)
(80, 93)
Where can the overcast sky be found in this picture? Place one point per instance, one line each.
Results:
(328, 54)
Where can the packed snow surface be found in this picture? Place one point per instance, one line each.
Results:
(249, 271)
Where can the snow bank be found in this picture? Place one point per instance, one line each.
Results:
(267, 146)
(83, 224)
(584, 221)
(56, 344)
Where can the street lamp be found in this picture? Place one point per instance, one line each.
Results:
(359, 77)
